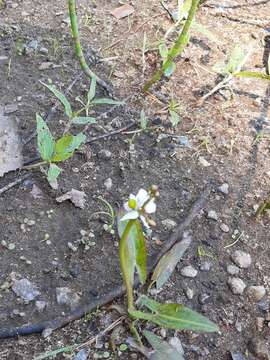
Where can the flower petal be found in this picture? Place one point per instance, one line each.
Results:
(133, 214)
(126, 207)
(150, 207)
(145, 223)
(142, 197)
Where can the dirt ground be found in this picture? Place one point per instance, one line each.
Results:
(223, 140)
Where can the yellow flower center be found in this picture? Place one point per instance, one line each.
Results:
(132, 203)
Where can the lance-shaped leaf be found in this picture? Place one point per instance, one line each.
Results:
(168, 262)
(61, 97)
(173, 316)
(76, 142)
(135, 249)
(83, 120)
(105, 101)
(92, 91)
(252, 75)
(162, 350)
(44, 139)
(237, 60)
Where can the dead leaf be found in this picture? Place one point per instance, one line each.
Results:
(168, 262)
(123, 11)
(10, 145)
(75, 196)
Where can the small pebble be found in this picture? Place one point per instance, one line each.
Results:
(203, 298)
(189, 271)
(168, 224)
(206, 266)
(176, 343)
(108, 184)
(256, 292)
(241, 259)
(224, 189)
(163, 333)
(104, 154)
(212, 215)
(189, 293)
(236, 285)
(225, 228)
(232, 269)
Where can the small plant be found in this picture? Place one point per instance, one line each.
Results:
(133, 256)
(52, 152)
(74, 117)
(233, 69)
(173, 109)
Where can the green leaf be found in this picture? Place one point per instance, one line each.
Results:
(61, 97)
(92, 91)
(170, 70)
(168, 262)
(252, 74)
(174, 117)
(83, 120)
(61, 151)
(105, 101)
(45, 139)
(163, 350)
(135, 249)
(263, 208)
(53, 173)
(236, 60)
(184, 9)
(76, 142)
(203, 30)
(174, 316)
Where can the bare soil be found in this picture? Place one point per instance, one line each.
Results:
(223, 131)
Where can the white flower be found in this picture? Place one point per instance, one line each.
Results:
(135, 206)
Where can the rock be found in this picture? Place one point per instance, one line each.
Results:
(104, 154)
(40, 305)
(163, 333)
(264, 304)
(189, 293)
(241, 259)
(204, 162)
(236, 285)
(203, 298)
(189, 271)
(258, 347)
(206, 266)
(176, 343)
(169, 224)
(237, 356)
(184, 141)
(108, 184)
(256, 292)
(10, 109)
(225, 228)
(82, 355)
(212, 215)
(45, 65)
(232, 269)
(66, 296)
(74, 270)
(3, 58)
(47, 332)
(44, 51)
(25, 289)
(224, 189)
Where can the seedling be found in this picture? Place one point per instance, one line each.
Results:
(173, 109)
(74, 117)
(52, 152)
(133, 257)
(233, 69)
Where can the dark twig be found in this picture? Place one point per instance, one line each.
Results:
(13, 183)
(112, 133)
(116, 292)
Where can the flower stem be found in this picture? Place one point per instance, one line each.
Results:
(124, 264)
(78, 48)
(177, 48)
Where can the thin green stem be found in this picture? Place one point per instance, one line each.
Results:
(124, 265)
(29, 167)
(78, 48)
(177, 48)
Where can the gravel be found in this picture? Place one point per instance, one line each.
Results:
(256, 292)
(25, 289)
(189, 271)
(236, 285)
(241, 259)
